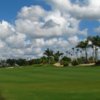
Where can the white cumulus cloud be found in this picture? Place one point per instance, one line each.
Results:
(36, 28)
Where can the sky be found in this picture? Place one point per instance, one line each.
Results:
(28, 27)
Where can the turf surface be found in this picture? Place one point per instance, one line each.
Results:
(50, 83)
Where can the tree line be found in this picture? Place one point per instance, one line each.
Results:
(75, 56)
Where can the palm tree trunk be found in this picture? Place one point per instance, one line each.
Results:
(48, 60)
(86, 55)
(96, 54)
(93, 54)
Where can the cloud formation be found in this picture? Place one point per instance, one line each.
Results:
(88, 9)
(36, 28)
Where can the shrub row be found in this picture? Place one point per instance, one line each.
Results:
(98, 63)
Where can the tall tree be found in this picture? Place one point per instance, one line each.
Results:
(73, 49)
(83, 46)
(95, 40)
(49, 54)
(95, 44)
(77, 52)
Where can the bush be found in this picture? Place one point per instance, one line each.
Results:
(98, 63)
(19, 62)
(75, 63)
(37, 61)
(64, 63)
(44, 60)
(66, 59)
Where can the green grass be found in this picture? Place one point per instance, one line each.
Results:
(50, 83)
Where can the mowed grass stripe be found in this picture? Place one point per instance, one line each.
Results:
(50, 83)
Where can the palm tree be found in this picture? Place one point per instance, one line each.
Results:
(43, 60)
(83, 46)
(77, 52)
(67, 52)
(57, 56)
(95, 40)
(96, 43)
(73, 49)
(49, 54)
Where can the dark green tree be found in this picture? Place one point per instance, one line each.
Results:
(49, 54)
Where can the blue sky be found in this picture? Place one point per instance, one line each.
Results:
(9, 9)
(28, 27)
(90, 24)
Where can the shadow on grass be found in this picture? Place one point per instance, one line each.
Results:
(2, 97)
